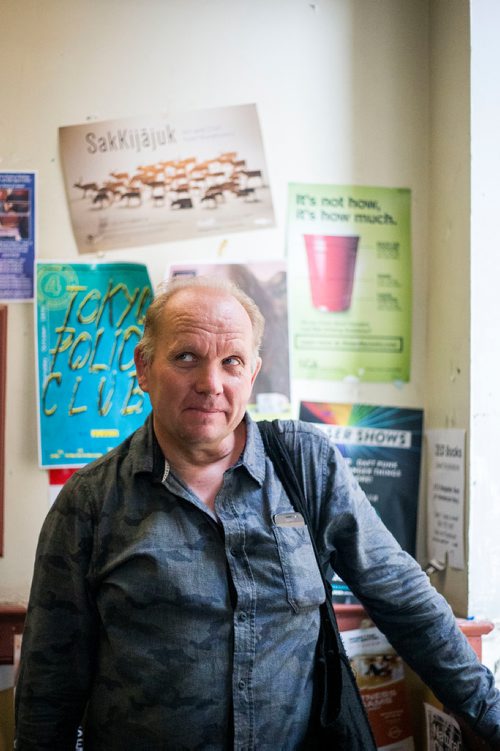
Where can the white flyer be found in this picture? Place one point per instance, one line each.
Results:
(443, 732)
(445, 496)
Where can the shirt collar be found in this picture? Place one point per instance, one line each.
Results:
(253, 457)
(145, 451)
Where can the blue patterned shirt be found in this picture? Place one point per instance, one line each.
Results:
(160, 625)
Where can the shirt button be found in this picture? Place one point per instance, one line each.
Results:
(241, 685)
(234, 552)
(242, 617)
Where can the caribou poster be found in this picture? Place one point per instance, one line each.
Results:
(165, 177)
(89, 317)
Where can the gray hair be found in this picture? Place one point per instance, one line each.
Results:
(167, 290)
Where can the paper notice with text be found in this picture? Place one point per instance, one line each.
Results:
(445, 496)
(443, 732)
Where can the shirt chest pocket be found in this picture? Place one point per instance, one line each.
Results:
(303, 581)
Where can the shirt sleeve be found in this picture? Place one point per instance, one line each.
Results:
(59, 635)
(400, 599)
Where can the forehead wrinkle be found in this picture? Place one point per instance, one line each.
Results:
(227, 317)
(206, 339)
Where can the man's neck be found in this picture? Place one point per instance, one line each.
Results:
(201, 467)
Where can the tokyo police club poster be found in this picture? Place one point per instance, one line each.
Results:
(89, 317)
(383, 447)
(349, 251)
(165, 177)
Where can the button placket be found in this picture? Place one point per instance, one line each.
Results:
(244, 627)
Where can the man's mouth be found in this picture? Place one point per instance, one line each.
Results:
(204, 409)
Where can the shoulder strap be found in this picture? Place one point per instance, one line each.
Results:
(339, 697)
(279, 454)
(280, 457)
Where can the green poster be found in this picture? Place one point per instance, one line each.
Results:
(349, 251)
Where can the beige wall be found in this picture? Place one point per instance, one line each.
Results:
(342, 88)
(463, 357)
(448, 372)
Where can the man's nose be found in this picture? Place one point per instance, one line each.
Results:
(209, 380)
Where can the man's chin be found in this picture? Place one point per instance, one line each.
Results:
(203, 417)
(209, 427)
(203, 424)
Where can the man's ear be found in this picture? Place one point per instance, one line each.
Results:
(141, 369)
(258, 364)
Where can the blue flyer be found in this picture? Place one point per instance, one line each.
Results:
(89, 318)
(17, 235)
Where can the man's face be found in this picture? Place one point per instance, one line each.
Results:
(201, 376)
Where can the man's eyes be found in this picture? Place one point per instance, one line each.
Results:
(188, 357)
(233, 360)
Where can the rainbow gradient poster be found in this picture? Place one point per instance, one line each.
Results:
(383, 447)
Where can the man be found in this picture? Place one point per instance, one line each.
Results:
(170, 608)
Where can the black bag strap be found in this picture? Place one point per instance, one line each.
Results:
(283, 465)
(339, 696)
(280, 456)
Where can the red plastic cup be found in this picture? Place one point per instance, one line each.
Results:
(331, 260)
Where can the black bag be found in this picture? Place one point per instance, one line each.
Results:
(339, 719)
